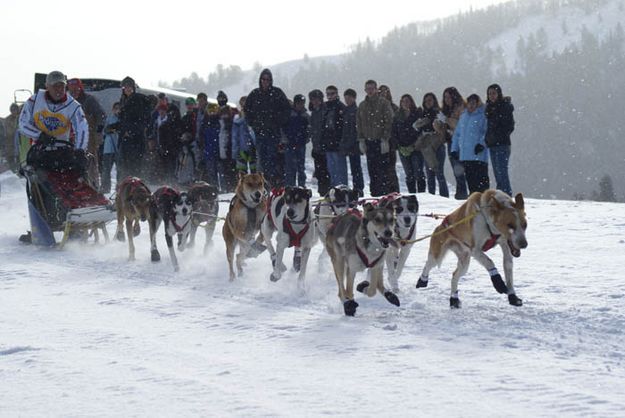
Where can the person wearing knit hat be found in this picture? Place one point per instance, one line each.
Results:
(267, 110)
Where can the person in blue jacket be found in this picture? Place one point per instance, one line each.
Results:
(469, 147)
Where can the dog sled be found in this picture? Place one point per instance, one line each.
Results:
(59, 197)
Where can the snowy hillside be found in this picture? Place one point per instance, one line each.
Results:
(85, 332)
(562, 30)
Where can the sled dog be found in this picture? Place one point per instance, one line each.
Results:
(492, 218)
(358, 241)
(133, 205)
(243, 220)
(205, 210)
(288, 213)
(336, 202)
(173, 209)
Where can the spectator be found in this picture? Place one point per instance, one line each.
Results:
(227, 165)
(499, 113)
(349, 143)
(298, 134)
(385, 91)
(404, 136)
(189, 120)
(468, 144)
(431, 110)
(210, 130)
(453, 106)
(331, 136)
(133, 122)
(243, 142)
(315, 100)
(95, 118)
(267, 110)
(109, 151)
(374, 123)
(11, 123)
(169, 132)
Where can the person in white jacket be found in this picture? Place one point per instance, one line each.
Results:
(52, 113)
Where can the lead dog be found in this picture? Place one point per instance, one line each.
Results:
(133, 205)
(174, 210)
(356, 242)
(244, 218)
(205, 210)
(406, 210)
(495, 219)
(288, 213)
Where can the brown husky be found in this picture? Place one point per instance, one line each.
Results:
(133, 205)
(242, 225)
(356, 242)
(492, 218)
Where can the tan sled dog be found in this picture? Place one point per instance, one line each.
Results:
(133, 205)
(242, 225)
(356, 242)
(483, 221)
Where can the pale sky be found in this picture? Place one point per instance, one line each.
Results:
(167, 40)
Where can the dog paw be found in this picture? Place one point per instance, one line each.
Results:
(514, 300)
(454, 303)
(274, 277)
(349, 306)
(120, 236)
(362, 286)
(156, 256)
(136, 229)
(391, 297)
(422, 283)
(498, 284)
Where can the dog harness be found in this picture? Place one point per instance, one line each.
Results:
(295, 238)
(365, 259)
(172, 194)
(274, 193)
(490, 243)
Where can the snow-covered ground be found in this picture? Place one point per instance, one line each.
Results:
(84, 332)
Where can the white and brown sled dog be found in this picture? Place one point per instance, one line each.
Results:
(288, 213)
(406, 209)
(356, 242)
(133, 206)
(492, 218)
(173, 209)
(205, 210)
(243, 220)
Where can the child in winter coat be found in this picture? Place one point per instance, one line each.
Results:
(109, 151)
(468, 144)
(243, 142)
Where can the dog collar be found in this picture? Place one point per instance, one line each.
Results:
(410, 232)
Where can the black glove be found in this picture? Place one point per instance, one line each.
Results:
(454, 155)
(45, 139)
(478, 148)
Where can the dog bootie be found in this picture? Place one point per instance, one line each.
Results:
(362, 286)
(498, 283)
(391, 297)
(514, 300)
(349, 306)
(454, 303)
(422, 283)
(297, 260)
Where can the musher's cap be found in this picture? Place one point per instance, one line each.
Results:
(55, 77)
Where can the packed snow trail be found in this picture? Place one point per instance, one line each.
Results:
(85, 332)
